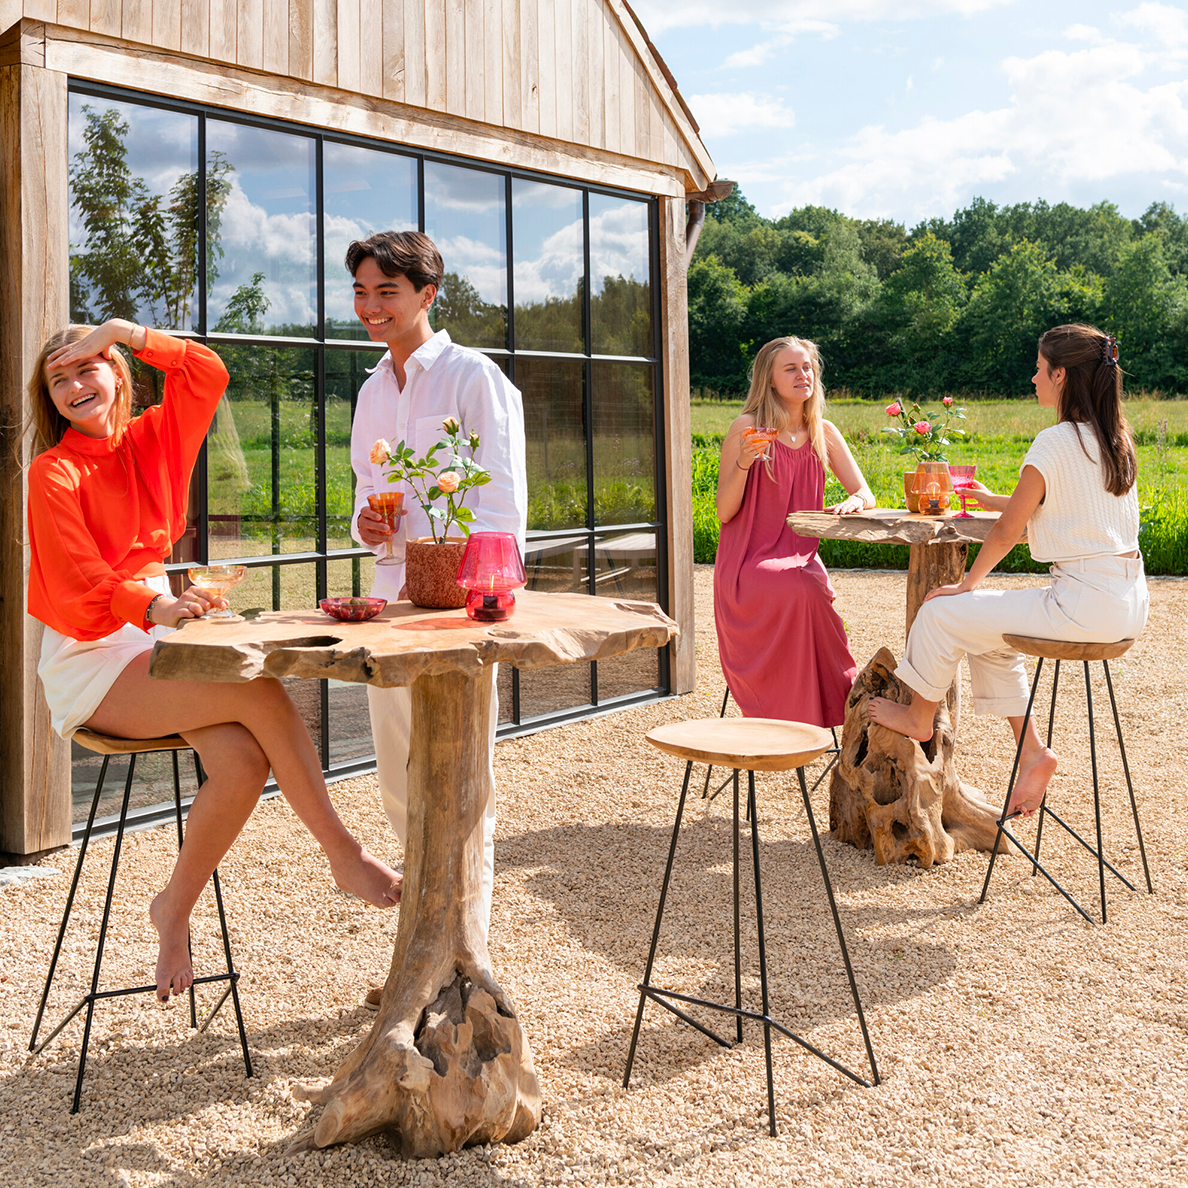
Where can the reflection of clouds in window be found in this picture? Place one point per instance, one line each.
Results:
(280, 245)
(618, 240)
(482, 264)
(464, 216)
(547, 221)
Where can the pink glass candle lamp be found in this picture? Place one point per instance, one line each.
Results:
(491, 570)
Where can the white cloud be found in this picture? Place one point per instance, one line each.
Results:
(1167, 24)
(661, 15)
(787, 34)
(1075, 118)
(727, 114)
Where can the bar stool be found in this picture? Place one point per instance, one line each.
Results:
(834, 749)
(107, 746)
(1086, 653)
(750, 745)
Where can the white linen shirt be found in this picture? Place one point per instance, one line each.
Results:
(442, 379)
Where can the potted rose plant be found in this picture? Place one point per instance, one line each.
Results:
(925, 435)
(431, 562)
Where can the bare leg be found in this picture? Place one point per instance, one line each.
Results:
(1037, 765)
(237, 770)
(915, 720)
(138, 707)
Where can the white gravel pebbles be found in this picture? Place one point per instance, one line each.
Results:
(1018, 1045)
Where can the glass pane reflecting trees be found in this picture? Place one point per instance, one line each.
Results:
(191, 220)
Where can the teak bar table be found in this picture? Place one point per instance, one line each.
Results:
(887, 793)
(446, 1063)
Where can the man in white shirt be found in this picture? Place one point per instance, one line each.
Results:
(421, 380)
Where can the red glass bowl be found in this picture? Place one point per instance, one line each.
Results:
(353, 610)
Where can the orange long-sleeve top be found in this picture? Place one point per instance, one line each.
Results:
(102, 516)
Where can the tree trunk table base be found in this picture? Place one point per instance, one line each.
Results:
(901, 798)
(446, 1063)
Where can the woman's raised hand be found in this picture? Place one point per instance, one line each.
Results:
(193, 604)
(99, 342)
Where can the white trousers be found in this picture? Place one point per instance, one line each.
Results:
(391, 729)
(1093, 600)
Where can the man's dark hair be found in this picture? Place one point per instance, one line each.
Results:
(399, 253)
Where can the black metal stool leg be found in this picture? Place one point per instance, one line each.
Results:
(1002, 830)
(1126, 770)
(737, 925)
(1096, 790)
(705, 792)
(647, 979)
(232, 973)
(841, 939)
(181, 839)
(754, 819)
(82, 853)
(1044, 810)
(115, 862)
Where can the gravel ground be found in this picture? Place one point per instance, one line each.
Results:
(1017, 1044)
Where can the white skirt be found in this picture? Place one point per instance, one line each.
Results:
(78, 674)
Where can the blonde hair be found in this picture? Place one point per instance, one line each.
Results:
(765, 406)
(46, 423)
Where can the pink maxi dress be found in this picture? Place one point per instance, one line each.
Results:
(783, 647)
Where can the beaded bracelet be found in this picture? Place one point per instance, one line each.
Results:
(148, 611)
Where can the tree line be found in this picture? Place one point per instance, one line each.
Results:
(953, 305)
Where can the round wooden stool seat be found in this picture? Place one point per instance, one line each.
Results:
(1058, 649)
(749, 744)
(105, 744)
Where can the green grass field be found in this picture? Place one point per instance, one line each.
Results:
(997, 435)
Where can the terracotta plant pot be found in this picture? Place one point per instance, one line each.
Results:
(939, 471)
(909, 491)
(431, 572)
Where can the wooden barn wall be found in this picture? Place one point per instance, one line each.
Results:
(571, 70)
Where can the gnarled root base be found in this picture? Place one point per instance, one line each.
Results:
(896, 796)
(465, 1078)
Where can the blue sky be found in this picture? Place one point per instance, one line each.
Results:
(906, 109)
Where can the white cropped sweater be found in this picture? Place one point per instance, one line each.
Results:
(1078, 518)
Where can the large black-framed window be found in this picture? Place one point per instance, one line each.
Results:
(232, 229)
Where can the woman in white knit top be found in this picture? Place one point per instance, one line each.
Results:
(1077, 500)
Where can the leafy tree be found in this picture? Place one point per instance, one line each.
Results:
(717, 326)
(734, 208)
(883, 244)
(470, 320)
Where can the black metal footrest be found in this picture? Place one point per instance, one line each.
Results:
(659, 996)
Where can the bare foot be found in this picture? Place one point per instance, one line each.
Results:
(1037, 766)
(175, 973)
(368, 878)
(904, 719)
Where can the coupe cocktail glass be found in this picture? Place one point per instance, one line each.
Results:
(388, 504)
(217, 580)
(764, 433)
(963, 481)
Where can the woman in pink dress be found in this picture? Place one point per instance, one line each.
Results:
(782, 646)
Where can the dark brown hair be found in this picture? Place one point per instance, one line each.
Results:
(46, 423)
(399, 253)
(1092, 395)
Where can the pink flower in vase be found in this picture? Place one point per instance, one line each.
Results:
(380, 451)
(921, 427)
(448, 481)
(947, 401)
(893, 410)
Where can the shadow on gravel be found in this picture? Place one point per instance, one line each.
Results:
(604, 882)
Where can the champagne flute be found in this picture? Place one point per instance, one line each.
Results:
(388, 505)
(217, 580)
(963, 481)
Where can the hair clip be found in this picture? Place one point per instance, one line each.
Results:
(1109, 350)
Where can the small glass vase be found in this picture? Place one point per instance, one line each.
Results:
(933, 488)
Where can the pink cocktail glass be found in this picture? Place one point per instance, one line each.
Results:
(963, 480)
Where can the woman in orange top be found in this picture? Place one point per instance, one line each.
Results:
(107, 499)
